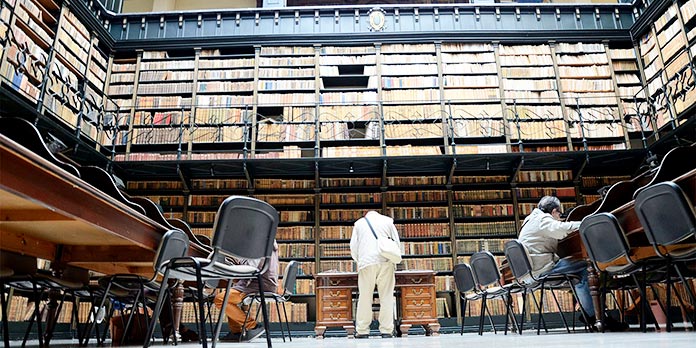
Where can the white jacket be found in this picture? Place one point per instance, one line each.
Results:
(540, 235)
(363, 244)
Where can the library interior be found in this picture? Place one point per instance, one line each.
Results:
(152, 152)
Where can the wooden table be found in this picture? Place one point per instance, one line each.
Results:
(416, 302)
(51, 214)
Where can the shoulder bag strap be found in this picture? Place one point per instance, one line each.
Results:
(371, 229)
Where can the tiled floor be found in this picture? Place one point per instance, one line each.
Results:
(554, 339)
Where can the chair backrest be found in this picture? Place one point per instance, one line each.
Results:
(24, 133)
(463, 278)
(290, 277)
(173, 244)
(666, 214)
(485, 269)
(518, 260)
(604, 238)
(20, 264)
(245, 228)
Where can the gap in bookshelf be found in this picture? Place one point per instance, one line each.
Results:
(338, 82)
(181, 53)
(271, 113)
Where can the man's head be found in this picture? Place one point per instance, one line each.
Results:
(551, 205)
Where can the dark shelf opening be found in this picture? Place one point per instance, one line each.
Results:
(351, 69)
(269, 112)
(348, 81)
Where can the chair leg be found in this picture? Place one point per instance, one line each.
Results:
(541, 304)
(218, 326)
(282, 331)
(643, 302)
(689, 291)
(5, 322)
(158, 308)
(540, 311)
(560, 310)
(463, 304)
(524, 309)
(264, 311)
(287, 322)
(483, 312)
(201, 313)
(668, 299)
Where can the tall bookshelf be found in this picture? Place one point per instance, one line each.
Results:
(410, 94)
(471, 97)
(589, 94)
(532, 107)
(348, 114)
(223, 102)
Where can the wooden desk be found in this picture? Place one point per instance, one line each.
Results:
(416, 302)
(51, 214)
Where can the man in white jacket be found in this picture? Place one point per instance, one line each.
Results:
(373, 269)
(540, 233)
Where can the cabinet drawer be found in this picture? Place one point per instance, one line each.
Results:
(421, 313)
(335, 305)
(335, 294)
(415, 280)
(333, 316)
(409, 292)
(417, 303)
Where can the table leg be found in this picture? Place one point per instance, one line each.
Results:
(177, 308)
(593, 280)
(52, 315)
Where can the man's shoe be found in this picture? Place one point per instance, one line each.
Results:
(254, 333)
(231, 337)
(592, 319)
(387, 335)
(362, 336)
(613, 325)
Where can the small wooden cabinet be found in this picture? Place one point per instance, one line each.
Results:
(415, 301)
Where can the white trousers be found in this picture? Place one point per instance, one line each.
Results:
(381, 275)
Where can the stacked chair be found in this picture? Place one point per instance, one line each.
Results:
(671, 231)
(244, 228)
(289, 278)
(467, 290)
(521, 268)
(609, 250)
(487, 277)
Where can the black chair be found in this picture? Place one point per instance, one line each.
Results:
(244, 228)
(607, 247)
(487, 276)
(669, 221)
(467, 290)
(25, 277)
(289, 278)
(521, 268)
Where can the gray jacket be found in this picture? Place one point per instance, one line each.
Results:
(540, 235)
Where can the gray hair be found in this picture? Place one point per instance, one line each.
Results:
(548, 203)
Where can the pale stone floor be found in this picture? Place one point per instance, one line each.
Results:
(553, 339)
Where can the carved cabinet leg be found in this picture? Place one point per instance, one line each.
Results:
(404, 329)
(319, 331)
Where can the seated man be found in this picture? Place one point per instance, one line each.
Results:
(239, 290)
(540, 234)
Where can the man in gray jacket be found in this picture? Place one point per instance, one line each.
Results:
(373, 269)
(540, 233)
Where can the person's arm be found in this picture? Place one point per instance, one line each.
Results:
(354, 244)
(395, 233)
(557, 229)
